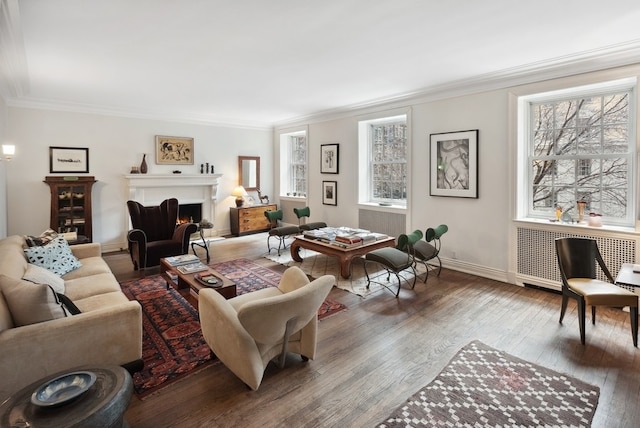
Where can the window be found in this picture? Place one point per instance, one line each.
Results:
(293, 158)
(580, 145)
(383, 170)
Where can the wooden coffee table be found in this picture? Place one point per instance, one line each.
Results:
(181, 281)
(345, 255)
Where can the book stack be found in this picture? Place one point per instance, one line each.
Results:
(183, 259)
(192, 267)
(349, 239)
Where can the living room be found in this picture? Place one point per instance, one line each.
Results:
(483, 238)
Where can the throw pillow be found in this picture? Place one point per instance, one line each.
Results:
(44, 238)
(55, 256)
(30, 303)
(40, 275)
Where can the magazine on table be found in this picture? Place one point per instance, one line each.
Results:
(182, 259)
(192, 267)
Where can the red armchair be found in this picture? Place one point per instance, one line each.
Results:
(156, 234)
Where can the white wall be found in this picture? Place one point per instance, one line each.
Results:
(3, 167)
(115, 145)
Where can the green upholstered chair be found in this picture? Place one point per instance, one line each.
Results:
(577, 262)
(278, 231)
(394, 259)
(429, 249)
(305, 213)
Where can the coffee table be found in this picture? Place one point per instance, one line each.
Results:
(345, 255)
(181, 281)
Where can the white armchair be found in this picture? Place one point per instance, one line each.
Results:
(248, 331)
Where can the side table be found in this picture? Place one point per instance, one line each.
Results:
(103, 405)
(205, 243)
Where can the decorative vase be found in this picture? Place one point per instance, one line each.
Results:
(143, 165)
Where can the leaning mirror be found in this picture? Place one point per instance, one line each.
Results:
(249, 169)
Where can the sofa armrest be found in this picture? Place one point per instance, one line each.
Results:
(107, 336)
(83, 251)
(137, 235)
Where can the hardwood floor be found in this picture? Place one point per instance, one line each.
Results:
(381, 350)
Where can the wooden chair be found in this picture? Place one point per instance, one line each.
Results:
(577, 262)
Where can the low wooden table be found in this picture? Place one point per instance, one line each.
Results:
(188, 281)
(345, 255)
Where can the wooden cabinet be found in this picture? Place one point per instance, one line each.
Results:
(246, 220)
(71, 205)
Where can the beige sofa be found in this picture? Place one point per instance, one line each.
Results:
(107, 331)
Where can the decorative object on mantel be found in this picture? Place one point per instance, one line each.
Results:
(239, 193)
(174, 150)
(177, 171)
(134, 170)
(143, 165)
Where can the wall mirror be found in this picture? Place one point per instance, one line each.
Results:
(249, 169)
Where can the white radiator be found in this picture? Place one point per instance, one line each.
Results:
(392, 224)
(537, 263)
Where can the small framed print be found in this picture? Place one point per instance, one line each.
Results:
(329, 158)
(330, 192)
(68, 159)
(174, 150)
(454, 164)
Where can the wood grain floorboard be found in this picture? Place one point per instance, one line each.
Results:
(381, 350)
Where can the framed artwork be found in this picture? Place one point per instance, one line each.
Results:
(454, 164)
(329, 158)
(174, 150)
(330, 192)
(68, 159)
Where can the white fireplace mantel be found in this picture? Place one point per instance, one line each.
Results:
(152, 189)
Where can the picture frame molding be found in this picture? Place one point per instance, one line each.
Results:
(327, 152)
(330, 199)
(57, 163)
(183, 142)
(436, 141)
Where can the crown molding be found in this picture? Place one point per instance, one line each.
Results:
(614, 56)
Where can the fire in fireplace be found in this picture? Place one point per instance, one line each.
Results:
(189, 213)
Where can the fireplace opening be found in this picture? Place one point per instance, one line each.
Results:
(189, 213)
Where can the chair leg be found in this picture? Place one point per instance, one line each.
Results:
(581, 318)
(633, 311)
(563, 308)
(593, 314)
(440, 265)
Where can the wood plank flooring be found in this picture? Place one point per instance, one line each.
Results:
(381, 350)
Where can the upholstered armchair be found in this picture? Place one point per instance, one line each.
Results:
(155, 234)
(248, 331)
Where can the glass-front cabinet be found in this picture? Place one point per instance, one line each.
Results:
(71, 205)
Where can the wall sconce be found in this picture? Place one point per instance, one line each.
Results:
(8, 150)
(239, 193)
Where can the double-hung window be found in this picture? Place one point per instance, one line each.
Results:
(293, 159)
(580, 146)
(384, 149)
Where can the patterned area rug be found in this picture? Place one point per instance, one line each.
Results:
(482, 386)
(250, 276)
(172, 342)
(315, 265)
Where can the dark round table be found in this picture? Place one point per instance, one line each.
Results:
(103, 405)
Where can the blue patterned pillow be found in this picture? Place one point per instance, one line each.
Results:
(56, 256)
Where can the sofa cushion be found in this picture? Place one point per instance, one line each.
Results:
(55, 256)
(40, 275)
(90, 266)
(30, 303)
(44, 238)
(81, 288)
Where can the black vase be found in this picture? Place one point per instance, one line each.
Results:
(143, 165)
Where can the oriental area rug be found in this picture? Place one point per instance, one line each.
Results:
(172, 342)
(482, 386)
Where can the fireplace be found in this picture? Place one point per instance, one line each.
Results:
(201, 190)
(189, 213)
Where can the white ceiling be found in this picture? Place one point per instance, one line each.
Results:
(259, 63)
